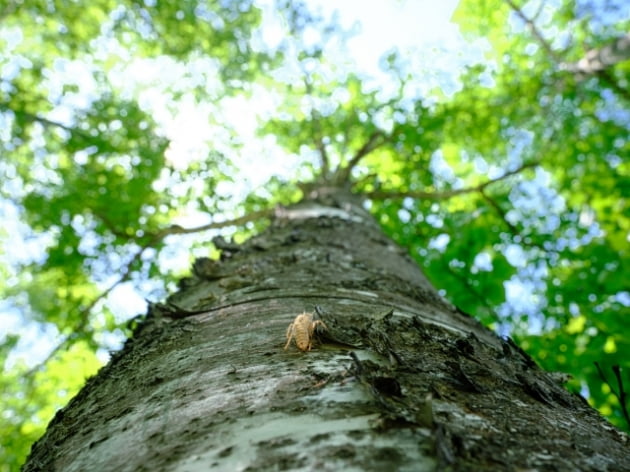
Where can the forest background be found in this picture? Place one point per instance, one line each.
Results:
(132, 133)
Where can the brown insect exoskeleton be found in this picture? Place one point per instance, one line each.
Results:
(302, 330)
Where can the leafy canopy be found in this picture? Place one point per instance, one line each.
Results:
(507, 178)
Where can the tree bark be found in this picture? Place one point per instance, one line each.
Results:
(597, 60)
(398, 378)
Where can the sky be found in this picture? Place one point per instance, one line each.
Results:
(390, 23)
(422, 28)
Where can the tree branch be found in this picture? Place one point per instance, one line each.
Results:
(596, 60)
(607, 77)
(471, 289)
(535, 31)
(241, 220)
(384, 194)
(47, 123)
(85, 312)
(153, 240)
(317, 128)
(594, 63)
(376, 139)
(44, 121)
(513, 229)
(621, 395)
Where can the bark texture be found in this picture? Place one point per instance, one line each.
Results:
(400, 380)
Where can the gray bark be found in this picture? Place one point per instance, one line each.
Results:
(399, 380)
(597, 60)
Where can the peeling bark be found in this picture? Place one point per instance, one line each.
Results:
(400, 379)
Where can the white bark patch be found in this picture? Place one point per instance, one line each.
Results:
(308, 440)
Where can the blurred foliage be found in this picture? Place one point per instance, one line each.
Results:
(509, 184)
(577, 126)
(30, 401)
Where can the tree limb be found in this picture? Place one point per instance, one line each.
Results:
(621, 394)
(32, 117)
(607, 77)
(513, 229)
(462, 279)
(535, 31)
(85, 311)
(376, 139)
(596, 60)
(317, 128)
(241, 220)
(153, 240)
(384, 194)
(48, 123)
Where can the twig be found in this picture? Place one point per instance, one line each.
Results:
(622, 393)
(45, 121)
(241, 220)
(152, 241)
(84, 312)
(621, 396)
(513, 229)
(470, 288)
(601, 373)
(48, 123)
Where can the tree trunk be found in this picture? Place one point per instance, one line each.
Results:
(396, 378)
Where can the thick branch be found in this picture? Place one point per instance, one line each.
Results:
(597, 60)
(393, 194)
(376, 139)
(323, 156)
